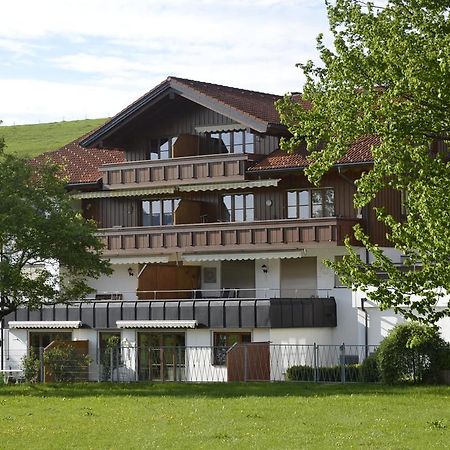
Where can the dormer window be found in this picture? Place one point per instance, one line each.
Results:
(162, 148)
(238, 208)
(159, 212)
(232, 142)
(310, 203)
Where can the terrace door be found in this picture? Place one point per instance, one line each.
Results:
(168, 281)
(161, 356)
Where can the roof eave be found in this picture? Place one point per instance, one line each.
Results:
(125, 115)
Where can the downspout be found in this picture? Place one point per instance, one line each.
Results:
(366, 327)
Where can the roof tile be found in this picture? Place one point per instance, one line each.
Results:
(359, 152)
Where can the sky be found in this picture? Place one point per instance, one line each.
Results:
(68, 60)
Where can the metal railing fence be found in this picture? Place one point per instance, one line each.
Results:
(241, 362)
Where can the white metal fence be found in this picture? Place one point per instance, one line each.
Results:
(241, 362)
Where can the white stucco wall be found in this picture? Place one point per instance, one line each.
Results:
(120, 281)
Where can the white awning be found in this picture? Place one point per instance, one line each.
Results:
(44, 324)
(219, 128)
(243, 256)
(229, 185)
(156, 323)
(127, 260)
(125, 192)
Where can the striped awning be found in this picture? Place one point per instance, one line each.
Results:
(127, 260)
(156, 324)
(237, 256)
(30, 324)
(124, 192)
(228, 186)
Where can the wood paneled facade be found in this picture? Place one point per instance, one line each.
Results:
(199, 222)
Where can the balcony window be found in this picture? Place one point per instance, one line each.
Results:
(159, 212)
(310, 203)
(232, 142)
(162, 148)
(223, 341)
(238, 208)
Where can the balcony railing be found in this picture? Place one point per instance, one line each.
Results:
(229, 236)
(184, 170)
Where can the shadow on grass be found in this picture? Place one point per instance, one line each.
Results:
(214, 390)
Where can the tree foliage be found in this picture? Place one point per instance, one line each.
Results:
(40, 229)
(388, 75)
(412, 352)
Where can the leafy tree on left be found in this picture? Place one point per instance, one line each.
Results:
(40, 230)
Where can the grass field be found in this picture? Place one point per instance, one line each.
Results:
(275, 416)
(31, 140)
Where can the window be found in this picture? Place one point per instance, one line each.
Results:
(232, 142)
(41, 339)
(238, 208)
(223, 341)
(162, 148)
(158, 212)
(310, 203)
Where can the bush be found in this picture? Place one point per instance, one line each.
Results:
(412, 352)
(369, 369)
(366, 372)
(31, 367)
(64, 363)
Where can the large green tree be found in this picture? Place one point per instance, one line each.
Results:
(387, 74)
(39, 231)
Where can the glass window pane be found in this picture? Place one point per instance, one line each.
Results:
(292, 198)
(317, 211)
(226, 139)
(292, 212)
(227, 201)
(328, 210)
(156, 206)
(164, 148)
(145, 213)
(167, 206)
(316, 196)
(239, 201)
(304, 197)
(304, 212)
(239, 215)
(329, 196)
(249, 200)
(155, 219)
(167, 219)
(238, 138)
(249, 142)
(249, 215)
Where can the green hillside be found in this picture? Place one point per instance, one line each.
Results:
(31, 140)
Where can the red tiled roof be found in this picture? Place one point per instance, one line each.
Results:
(359, 152)
(256, 104)
(80, 164)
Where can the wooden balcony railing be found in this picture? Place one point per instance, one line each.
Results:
(217, 237)
(185, 170)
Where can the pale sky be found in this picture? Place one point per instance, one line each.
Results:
(66, 59)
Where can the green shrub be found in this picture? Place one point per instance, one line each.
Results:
(366, 372)
(31, 367)
(412, 352)
(64, 363)
(369, 369)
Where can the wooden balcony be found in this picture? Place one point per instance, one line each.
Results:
(176, 171)
(219, 237)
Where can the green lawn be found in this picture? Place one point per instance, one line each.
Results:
(284, 415)
(31, 140)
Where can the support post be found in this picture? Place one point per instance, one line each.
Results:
(342, 358)
(315, 358)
